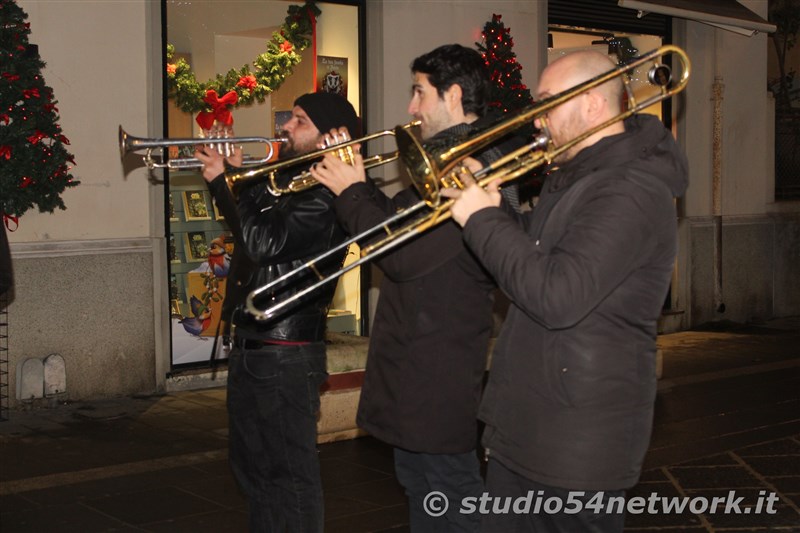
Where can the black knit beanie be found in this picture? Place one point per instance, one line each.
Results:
(328, 111)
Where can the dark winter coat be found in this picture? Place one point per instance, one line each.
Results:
(429, 339)
(272, 236)
(570, 396)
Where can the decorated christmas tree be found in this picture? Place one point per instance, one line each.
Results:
(34, 163)
(508, 91)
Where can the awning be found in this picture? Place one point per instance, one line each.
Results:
(725, 14)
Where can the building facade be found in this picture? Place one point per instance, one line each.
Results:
(91, 281)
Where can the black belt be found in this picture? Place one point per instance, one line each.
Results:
(257, 344)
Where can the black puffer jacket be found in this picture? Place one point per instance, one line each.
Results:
(274, 235)
(571, 389)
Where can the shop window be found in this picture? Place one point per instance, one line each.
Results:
(213, 37)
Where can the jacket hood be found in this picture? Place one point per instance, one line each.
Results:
(645, 146)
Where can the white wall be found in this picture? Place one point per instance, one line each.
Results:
(98, 65)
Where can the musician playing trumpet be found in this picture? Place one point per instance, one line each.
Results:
(276, 367)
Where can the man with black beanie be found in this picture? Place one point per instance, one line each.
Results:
(276, 367)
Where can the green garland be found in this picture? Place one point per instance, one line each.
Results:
(271, 68)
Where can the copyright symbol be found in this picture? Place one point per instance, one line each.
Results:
(435, 504)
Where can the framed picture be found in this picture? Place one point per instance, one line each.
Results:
(173, 250)
(196, 245)
(173, 216)
(332, 75)
(195, 205)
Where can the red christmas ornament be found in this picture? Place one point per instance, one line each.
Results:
(25, 182)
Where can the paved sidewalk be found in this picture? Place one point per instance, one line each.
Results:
(727, 426)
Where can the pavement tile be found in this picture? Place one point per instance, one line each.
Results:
(784, 517)
(786, 484)
(156, 504)
(393, 518)
(720, 459)
(655, 474)
(777, 447)
(221, 521)
(729, 477)
(653, 513)
(776, 465)
(61, 519)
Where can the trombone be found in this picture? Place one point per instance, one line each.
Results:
(301, 181)
(128, 143)
(431, 170)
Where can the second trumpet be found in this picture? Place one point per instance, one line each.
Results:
(302, 180)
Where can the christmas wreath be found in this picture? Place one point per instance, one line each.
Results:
(214, 99)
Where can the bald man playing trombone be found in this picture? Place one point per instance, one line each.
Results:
(569, 402)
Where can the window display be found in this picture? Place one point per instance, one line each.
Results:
(216, 77)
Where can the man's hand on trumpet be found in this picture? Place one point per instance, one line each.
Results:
(472, 198)
(214, 162)
(332, 171)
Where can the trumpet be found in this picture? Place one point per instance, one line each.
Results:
(128, 143)
(432, 170)
(237, 178)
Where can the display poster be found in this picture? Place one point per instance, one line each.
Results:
(332, 75)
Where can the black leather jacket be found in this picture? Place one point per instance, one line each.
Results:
(274, 235)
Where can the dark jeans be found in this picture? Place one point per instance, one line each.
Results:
(273, 403)
(456, 476)
(509, 491)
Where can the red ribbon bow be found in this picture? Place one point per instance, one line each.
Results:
(219, 109)
(12, 218)
(36, 137)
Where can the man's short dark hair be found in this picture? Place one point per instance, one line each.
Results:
(452, 63)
